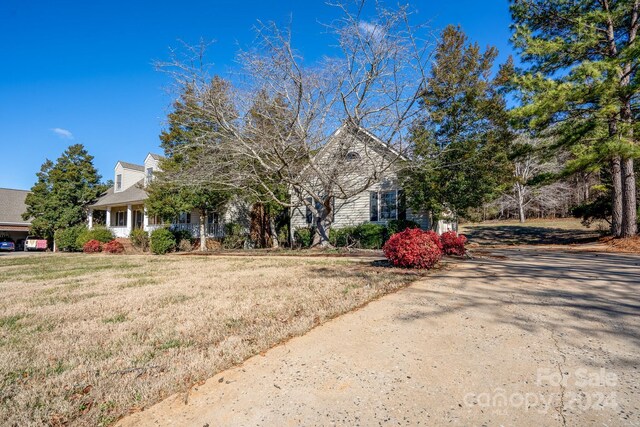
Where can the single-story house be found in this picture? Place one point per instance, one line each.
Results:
(12, 206)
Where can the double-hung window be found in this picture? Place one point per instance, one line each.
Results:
(119, 182)
(119, 219)
(386, 205)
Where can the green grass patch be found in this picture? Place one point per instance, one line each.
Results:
(11, 322)
(118, 318)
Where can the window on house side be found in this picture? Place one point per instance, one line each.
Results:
(119, 219)
(119, 182)
(373, 206)
(388, 205)
(184, 218)
(384, 205)
(149, 174)
(352, 156)
(308, 213)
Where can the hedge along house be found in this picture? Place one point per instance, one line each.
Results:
(355, 156)
(125, 209)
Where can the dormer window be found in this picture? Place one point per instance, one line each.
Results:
(119, 182)
(352, 156)
(149, 175)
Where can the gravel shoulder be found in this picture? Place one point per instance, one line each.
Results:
(519, 336)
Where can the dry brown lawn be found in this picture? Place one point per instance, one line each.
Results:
(85, 339)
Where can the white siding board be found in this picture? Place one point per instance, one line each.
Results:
(129, 177)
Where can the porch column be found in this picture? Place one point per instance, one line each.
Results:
(90, 218)
(145, 220)
(108, 219)
(129, 218)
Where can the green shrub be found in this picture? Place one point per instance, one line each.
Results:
(342, 237)
(101, 234)
(303, 237)
(397, 225)
(234, 236)
(139, 239)
(162, 241)
(363, 236)
(67, 239)
(371, 236)
(182, 235)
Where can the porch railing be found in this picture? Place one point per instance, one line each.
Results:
(212, 230)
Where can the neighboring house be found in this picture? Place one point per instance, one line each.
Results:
(12, 207)
(351, 155)
(124, 203)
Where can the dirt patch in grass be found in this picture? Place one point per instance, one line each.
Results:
(534, 232)
(86, 339)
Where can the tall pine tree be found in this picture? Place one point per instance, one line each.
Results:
(582, 84)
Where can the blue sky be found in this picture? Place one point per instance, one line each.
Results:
(82, 71)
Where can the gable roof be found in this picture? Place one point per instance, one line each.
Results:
(131, 166)
(12, 206)
(135, 193)
(155, 156)
(359, 131)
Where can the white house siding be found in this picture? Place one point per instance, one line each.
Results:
(129, 177)
(152, 162)
(356, 210)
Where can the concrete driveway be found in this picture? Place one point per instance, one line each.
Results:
(526, 337)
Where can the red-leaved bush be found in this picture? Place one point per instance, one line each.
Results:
(113, 247)
(453, 243)
(92, 246)
(413, 248)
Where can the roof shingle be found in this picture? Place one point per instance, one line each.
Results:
(132, 166)
(12, 206)
(135, 193)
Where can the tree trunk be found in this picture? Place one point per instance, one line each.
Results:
(274, 233)
(321, 234)
(520, 198)
(260, 232)
(203, 231)
(323, 225)
(629, 207)
(616, 203)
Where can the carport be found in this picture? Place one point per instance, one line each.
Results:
(12, 207)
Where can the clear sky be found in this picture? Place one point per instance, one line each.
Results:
(82, 71)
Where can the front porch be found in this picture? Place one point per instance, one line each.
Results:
(122, 219)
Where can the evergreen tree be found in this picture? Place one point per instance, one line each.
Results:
(582, 85)
(190, 142)
(274, 119)
(62, 192)
(460, 142)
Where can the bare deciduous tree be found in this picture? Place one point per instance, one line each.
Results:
(369, 89)
(526, 166)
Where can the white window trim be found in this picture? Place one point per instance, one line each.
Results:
(379, 207)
